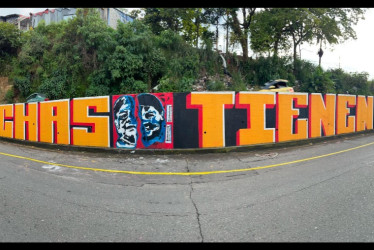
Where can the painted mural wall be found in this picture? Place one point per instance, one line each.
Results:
(186, 120)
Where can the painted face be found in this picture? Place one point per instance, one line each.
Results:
(151, 120)
(125, 122)
(151, 114)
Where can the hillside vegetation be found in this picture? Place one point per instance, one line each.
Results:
(85, 57)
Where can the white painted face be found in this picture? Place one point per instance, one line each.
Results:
(150, 118)
(126, 124)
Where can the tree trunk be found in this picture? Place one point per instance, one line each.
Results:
(276, 44)
(244, 44)
(227, 38)
(241, 30)
(217, 35)
(197, 34)
(294, 54)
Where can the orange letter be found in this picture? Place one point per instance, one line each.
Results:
(286, 115)
(364, 113)
(6, 120)
(25, 121)
(256, 131)
(211, 116)
(54, 121)
(321, 114)
(98, 135)
(345, 123)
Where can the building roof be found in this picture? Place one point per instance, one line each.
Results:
(43, 12)
(22, 17)
(10, 15)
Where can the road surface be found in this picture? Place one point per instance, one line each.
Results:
(319, 192)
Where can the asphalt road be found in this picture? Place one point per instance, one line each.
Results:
(322, 193)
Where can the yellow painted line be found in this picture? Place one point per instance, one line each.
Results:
(188, 173)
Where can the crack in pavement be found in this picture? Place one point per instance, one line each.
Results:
(194, 204)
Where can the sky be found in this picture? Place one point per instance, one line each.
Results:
(352, 55)
(21, 11)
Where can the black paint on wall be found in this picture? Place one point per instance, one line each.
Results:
(270, 117)
(235, 119)
(352, 111)
(186, 123)
(303, 114)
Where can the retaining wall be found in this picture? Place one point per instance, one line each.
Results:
(186, 120)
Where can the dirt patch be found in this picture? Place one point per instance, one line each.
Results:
(4, 87)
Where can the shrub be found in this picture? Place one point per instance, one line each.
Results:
(9, 96)
(215, 85)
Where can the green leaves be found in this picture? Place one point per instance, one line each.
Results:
(10, 42)
(10, 39)
(273, 28)
(85, 57)
(56, 86)
(321, 82)
(351, 83)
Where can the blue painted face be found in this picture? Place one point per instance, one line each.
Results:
(125, 122)
(152, 120)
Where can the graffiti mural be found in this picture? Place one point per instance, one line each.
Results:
(291, 123)
(256, 106)
(364, 113)
(322, 115)
(125, 122)
(7, 120)
(54, 121)
(152, 120)
(143, 120)
(211, 118)
(25, 121)
(90, 121)
(186, 120)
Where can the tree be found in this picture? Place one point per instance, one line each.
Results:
(303, 25)
(300, 28)
(241, 29)
(321, 82)
(146, 61)
(268, 31)
(214, 15)
(193, 20)
(10, 39)
(350, 83)
(190, 22)
(160, 19)
(10, 44)
(335, 25)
